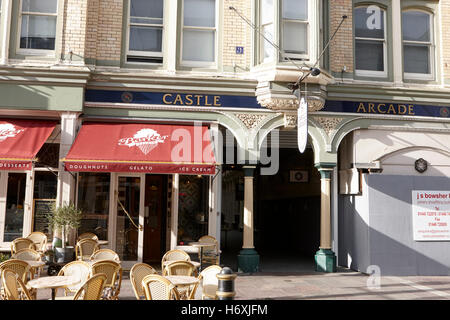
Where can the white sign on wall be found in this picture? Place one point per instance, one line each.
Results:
(431, 215)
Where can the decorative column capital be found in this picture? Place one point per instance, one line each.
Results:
(249, 171)
(325, 169)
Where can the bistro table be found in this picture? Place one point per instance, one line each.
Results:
(102, 242)
(183, 281)
(53, 283)
(201, 245)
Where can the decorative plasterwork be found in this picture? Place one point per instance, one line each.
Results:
(290, 120)
(250, 120)
(328, 124)
(314, 103)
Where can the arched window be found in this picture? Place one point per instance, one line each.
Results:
(417, 34)
(370, 41)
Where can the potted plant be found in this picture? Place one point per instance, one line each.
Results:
(63, 219)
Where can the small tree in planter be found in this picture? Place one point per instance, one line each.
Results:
(64, 218)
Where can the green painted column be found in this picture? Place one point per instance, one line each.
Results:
(325, 259)
(248, 258)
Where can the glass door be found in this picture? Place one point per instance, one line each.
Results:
(129, 218)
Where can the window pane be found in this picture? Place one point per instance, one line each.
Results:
(369, 22)
(93, 200)
(294, 37)
(266, 11)
(200, 13)
(43, 6)
(145, 39)
(295, 9)
(146, 20)
(416, 58)
(38, 32)
(416, 26)
(146, 8)
(14, 206)
(268, 49)
(369, 55)
(198, 45)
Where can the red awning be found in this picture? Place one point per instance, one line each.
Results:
(131, 147)
(20, 141)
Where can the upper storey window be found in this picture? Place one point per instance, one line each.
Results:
(370, 41)
(38, 25)
(199, 35)
(417, 31)
(295, 28)
(145, 31)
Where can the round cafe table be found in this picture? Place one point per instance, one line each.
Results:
(53, 283)
(201, 245)
(102, 242)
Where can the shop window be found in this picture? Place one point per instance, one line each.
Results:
(93, 200)
(417, 31)
(199, 35)
(145, 31)
(37, 26)
(370, 41)
(193, 208)
(14, 206)
(45, 190)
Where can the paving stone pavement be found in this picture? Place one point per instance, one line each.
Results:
(343, 285)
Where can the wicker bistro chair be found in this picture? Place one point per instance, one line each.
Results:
(22, 269)
(211, 254)
(39, 239)
(21, 243)
(105, 254)
(91, 290)
(29, 254)
(79, 269)
(137, 273)
(113, 272)
(174, 255)
(179, 268)
(14, 287)
(208, 282)
(157, 287)
(85, 248)
(87, 235)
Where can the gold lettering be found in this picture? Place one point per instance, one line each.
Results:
(189, 100)
(178, 99)
(391, 107)
(216, 101)
(411, 109)
(206, 101)
(198, 96)
(372, 107)
(165, 96)
(361, 107)
(379, 109)
(401, 109)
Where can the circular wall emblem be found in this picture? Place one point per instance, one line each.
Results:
(127, 97)
(444, 112)
(421, 165)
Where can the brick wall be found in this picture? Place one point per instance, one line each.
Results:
(237, 33)
(445, 28)
(341, 48)
(74, 28)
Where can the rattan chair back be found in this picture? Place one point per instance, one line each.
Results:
(210, 254)
(209, 282)
(21, 243)
(85, 248)
(92, 289)
(105, 254)
(22, 268)
(87, 235)
(174, 255)
(157, 287)
(179, 268)
(78, 269)
(14, 288)
(137, 273)
(113, 272)
(27, 254)
(39, 239)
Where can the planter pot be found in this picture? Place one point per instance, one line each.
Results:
(63, 255)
